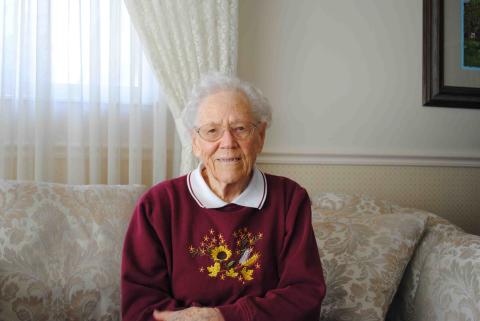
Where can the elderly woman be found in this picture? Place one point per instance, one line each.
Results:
(225, 242)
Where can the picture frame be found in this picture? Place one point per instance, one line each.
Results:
(435, 91)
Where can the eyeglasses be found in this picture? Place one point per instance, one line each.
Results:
(213, 132)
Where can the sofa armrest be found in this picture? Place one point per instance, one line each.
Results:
(442, 281)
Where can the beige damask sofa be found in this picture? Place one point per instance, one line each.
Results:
(60, 251)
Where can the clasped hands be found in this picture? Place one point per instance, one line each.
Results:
(189, 314)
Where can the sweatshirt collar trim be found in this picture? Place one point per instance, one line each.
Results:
(253, 196)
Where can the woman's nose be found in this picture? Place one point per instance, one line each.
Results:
(227, 138)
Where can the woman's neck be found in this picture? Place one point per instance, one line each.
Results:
(226, 192)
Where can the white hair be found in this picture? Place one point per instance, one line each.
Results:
(214, 82)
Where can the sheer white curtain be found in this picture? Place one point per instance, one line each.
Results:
(183, 39)
(78, 101)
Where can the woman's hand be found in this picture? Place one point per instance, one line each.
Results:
(190, 314)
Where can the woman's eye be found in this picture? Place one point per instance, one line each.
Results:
(211, 131)
(240, 129)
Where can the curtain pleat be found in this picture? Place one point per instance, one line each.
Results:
(94, 115)
(135, 138)
(74, 153)
(159, 141)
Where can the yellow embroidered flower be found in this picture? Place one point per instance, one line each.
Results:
(251, 260)
(231, 273)
(221, 253)
(247, 274)
(214, 269)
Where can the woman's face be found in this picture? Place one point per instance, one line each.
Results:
(228, 160)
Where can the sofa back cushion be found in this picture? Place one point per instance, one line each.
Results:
(60, 250)
(364, 249)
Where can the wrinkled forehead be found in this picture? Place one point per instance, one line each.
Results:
(224, 105)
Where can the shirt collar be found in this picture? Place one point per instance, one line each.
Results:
(253, 196)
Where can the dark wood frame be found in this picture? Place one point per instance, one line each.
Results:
(435, 93)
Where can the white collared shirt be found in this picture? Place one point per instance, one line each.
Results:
(253, 196)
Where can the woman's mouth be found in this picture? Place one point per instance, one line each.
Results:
(227, 160)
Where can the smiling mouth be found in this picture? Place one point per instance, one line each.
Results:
(227, 160)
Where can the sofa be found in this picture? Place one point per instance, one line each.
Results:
(60, 249)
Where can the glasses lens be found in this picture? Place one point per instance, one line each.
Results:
(241, 130)
(210, 132)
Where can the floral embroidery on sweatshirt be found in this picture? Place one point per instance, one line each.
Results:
(236, 260)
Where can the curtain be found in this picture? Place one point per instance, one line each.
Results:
(78, 100)
(183, 39)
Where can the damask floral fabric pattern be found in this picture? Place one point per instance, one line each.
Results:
(403, 306)
(450, 285)
(60, 249)
(364, 249)
(442, 282)
(334, 204)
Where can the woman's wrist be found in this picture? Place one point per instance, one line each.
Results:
(219, 314)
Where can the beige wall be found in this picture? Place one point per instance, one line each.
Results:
(346, 77)
(451, 192)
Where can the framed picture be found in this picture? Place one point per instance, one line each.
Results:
(451, 53)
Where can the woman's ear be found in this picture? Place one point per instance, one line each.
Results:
(262, 131)
(195, 147)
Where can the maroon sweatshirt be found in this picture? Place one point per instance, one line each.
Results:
(252, 264)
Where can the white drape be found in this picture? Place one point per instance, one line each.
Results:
(183, 39)
(78, 101)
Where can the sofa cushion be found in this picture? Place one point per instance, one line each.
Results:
(364, 250)
(334, 204)
(60, 249)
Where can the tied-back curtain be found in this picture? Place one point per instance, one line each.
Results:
(184, 39)
(78, 101)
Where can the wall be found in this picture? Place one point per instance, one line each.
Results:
(345, 82)
(349, 75)
(450, 192)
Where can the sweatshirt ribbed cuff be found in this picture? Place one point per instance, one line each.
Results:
(236, 312)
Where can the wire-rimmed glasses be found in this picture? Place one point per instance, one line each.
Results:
(213, 132)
